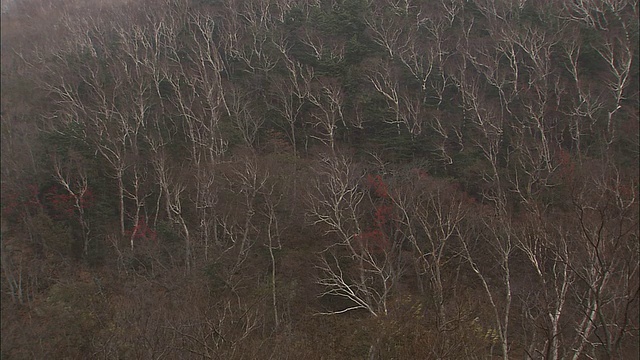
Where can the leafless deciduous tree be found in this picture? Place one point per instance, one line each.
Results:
(290, 92)
(273, 233)
(546, 247)
(73, 179)
(604, 261)
(432, 217)
(336, 203)
(327, 96)
(251, 181)
(406, 107)
(241, 108)
(388, 31)
(496, 224)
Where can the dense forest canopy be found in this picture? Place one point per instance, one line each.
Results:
(329, 179)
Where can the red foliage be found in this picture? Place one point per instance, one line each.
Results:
(63, 204)
(567, 166)
(382, 215)
(88, 200)
(18, 203)
(378, 186)
(142, 231)
(376, 238)
(420, 174)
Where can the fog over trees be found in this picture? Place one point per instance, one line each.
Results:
(330, 179)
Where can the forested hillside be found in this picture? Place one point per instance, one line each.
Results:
(328, 179)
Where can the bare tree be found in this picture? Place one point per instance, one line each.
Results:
(73, 179)
(386, 84)
(432, 218)
(174, 202)
(210, 331)
(241, 109)
(246, 35)
(14, 281)
(497, 233)
(611, 20)
(498, 237)
(440, 48)
(327, 97)
(209, 67)
(547, 247)
(336, 205)
(105, 127)
(405, 106)
(387, 30)
(291, 92)
(290, 105)
(251, 182)
(605, 264)
(273, 236)
(418, 59)
(617, 52)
